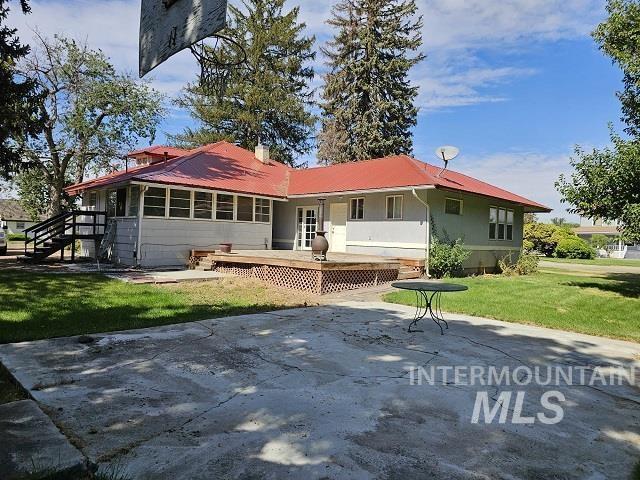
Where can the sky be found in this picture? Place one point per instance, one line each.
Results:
(515, 84)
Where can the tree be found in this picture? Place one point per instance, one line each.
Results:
(92, 114)
(18, 107)
(530, 218)
(619, 38)
(368, 100)
(267, 98)
(544, 237)
(35, 194)
(606, 183)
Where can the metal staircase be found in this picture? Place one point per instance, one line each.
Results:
(56, 233)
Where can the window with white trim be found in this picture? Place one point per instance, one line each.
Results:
(155, 202)
(394, 207)
(203, 205)
(224, 206)
(453, 206)
(245, 209)
(357, 209)
(263, 210)
(500, 223)
(493, 223)
(509, 224)
(179, 203)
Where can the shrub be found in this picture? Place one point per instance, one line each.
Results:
(526, 264)
(599, 241)
(446, 259)
(574, 248)
(528, 246)
(16, 237)
(545, 237)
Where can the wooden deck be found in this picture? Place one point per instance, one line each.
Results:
(298, 259)
(298, 270)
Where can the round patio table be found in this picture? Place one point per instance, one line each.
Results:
(428, 300)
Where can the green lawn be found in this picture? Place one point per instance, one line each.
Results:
(36, 306)
(605, 262)
(606, 305)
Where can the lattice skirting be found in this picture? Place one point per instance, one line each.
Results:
(315, 281)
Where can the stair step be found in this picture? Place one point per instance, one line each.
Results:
(408, 275)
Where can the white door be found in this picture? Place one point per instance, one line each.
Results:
(306, 227)
(338, 233)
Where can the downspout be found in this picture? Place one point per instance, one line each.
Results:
(143, 190)
(428, 242)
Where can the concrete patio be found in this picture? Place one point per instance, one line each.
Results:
(325, 393)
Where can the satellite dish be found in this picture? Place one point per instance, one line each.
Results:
(446, 154)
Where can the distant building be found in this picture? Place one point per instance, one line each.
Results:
(14, 216)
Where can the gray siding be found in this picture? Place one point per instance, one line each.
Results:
(167, 242)
(374, 235)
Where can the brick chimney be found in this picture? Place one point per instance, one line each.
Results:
(262, 153)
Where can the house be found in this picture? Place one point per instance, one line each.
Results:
(14, 217)
(618, 247)
(174, 200)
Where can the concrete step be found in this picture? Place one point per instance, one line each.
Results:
(31, 444)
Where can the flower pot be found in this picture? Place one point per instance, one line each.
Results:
(225, 247)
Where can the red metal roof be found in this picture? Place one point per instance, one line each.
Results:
(394, 172)
(159, 151)
(219, 166)
(224, 166)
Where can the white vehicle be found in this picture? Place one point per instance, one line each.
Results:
(3, 240)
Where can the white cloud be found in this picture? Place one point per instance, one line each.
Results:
(529, 174)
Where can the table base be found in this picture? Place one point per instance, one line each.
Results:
(430, 304)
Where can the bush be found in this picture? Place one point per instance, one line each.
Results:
(545, 237)
(528, 246)
(16, 237)
(446, 259)
(574, 248)
(526, 265)
(599, 241)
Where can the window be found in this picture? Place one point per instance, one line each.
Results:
(112, 199)
(179, 203)
(493, 223)
(155, 200)
(502, 220)
(20, 225)
(509, 224)
(453, 206)
(263, 210)
(394, 207)
(245, 209)
(224, 207)
(92, 201)
(134, 201)
(203, 205)
(357, 208)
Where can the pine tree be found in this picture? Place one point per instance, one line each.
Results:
(18, 98)
(267, 98)
(368, 100)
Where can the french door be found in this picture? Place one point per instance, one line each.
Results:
(306, 227)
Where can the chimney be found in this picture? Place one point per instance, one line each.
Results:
(262, 153)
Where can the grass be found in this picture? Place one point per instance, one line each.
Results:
(39, 305)
(607, 305)
(605, 262)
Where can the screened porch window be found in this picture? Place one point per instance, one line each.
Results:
(203, 205)
(245, 209)
(224, 207)
(263, 210)
(179, 203)
(155, 201)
